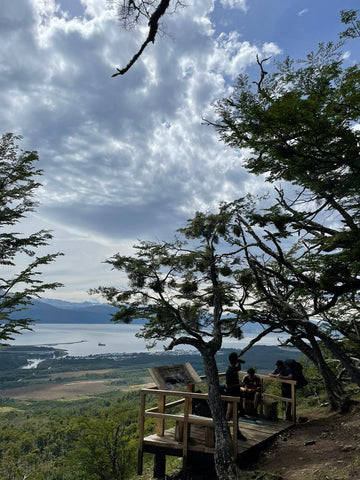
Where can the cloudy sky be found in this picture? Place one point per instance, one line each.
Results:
(128, 158)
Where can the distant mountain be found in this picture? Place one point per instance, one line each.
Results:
(71, 305)
(46, 310)
(58, 311)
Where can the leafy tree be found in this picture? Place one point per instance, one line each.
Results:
(350, 17)
(299, 124)
(17, 188)
(190, 291)
(106, 447)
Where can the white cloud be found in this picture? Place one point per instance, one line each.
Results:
(302, 12)
(126, 157)
(240, 4)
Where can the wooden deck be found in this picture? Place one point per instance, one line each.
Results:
(256, 431)
(177, 432)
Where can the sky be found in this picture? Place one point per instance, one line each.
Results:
(129, 157)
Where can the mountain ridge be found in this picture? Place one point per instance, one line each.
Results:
(59, 311)
(45, 310)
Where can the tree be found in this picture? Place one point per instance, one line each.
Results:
(190, 292)
(133, 13)
(17, 187)
(106, 446)
(299, 124)
(350, 17)
(282, 302)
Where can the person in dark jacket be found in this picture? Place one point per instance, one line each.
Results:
(284, 372)
(233, 387)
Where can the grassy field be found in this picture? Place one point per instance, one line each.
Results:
(72, 377)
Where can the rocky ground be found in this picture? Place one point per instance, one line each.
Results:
(326, 447)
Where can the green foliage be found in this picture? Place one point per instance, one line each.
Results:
(301, 244)
(298, 125)
(188, 290)
(107, 445)
(50, 440)
(17, 187)
(350, 17)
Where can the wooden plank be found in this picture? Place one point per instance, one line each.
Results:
(256, 433)
(186, 431)
(160, 424)
(141, 433)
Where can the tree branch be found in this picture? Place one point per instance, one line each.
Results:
(153, 28)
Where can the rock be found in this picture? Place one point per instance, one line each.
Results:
(310, 442)
(347, 448)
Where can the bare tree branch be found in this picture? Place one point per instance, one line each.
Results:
(256, 339)
(153, 29)
(262, 71)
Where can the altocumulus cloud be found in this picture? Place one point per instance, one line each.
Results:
(123, 158)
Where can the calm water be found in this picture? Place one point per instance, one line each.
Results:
(82, 340)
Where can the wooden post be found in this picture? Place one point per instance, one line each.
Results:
(141, 433)
(235, 427)
(293, 404)
(179, 431)
(159, 465)
(187, 406)
(160, 424)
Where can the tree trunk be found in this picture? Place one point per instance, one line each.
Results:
(334, 390)
(225, 464)
(337, 352)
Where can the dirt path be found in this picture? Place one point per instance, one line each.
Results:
(326, 448)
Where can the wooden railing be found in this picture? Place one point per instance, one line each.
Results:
(183, 405)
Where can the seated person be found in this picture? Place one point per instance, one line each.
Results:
(251, 387)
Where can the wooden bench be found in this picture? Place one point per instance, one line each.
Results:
(267, 407)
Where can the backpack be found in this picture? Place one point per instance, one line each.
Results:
(297, 370)
(200, 406)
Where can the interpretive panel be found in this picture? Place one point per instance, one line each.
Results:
(168, 377)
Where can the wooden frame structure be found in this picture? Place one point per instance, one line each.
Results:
(179, 433)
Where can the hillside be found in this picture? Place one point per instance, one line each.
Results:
(326, 447)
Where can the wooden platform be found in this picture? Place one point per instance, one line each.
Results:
(178, 432)
(256, 431)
